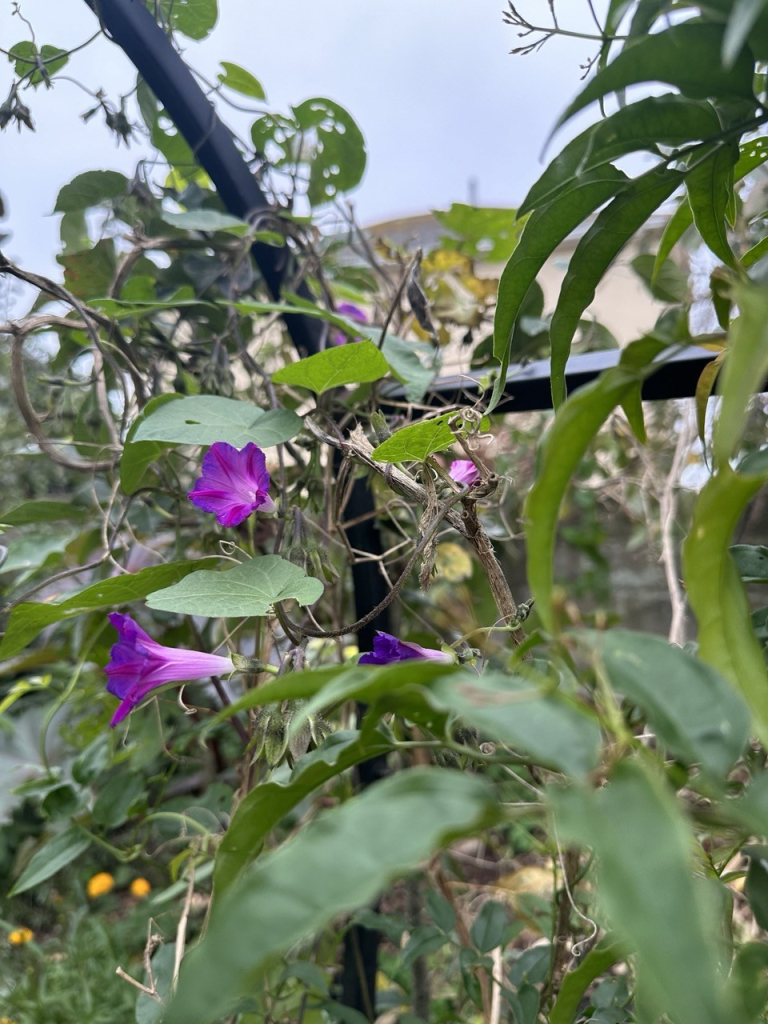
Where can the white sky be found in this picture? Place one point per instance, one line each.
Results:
(430, 82)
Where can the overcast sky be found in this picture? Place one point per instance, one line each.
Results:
(430, 82)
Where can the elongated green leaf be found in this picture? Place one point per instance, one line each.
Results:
(415, 443)
(755, 253)
(647, 889)
(29, 619)
(560, 452)
(336, 864)
(43, 511)
(751, 562)
(674, 230)
(686, 56)
(266, 805)
(544, 231)
(669, 120)
(138, 456)
(242, 81)
(704, 386)
(205, 419)
(90, 189)
(600, 959)
(251, 588)
(745, 368)
(354, 363)
(599, 247)
(695, 713)
(59, 851)
(716, 594)
(519, 712)
(710, 190)
(740, 24)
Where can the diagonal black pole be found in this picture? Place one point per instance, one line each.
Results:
(130, 25)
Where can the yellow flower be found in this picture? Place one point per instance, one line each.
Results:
(7, 1020)
(100, 885)
(140, 888)
(19, 936)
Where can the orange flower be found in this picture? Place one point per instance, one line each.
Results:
(19, 936)
(140, 888)
(100, 885)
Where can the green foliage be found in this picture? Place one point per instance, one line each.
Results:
(242, 81)
(353, 363)
(205, 419)
(90, 189)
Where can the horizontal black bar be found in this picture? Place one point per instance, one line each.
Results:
(131, 26)
(528, 386)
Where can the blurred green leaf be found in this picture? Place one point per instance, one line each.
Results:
(756, 884)
(674, 230)
(339, 159)
(43, 511)
(138, 456)
(751, 562)
(194, 18)
(25, 57)
(206, 220)
(576, 982)
(205, 419)
(90, 189)
(709, 185)
(489, 926)
(647, 889)
(242, 81)
(54, 855)
(115, 799)
(687, 56)
(250, 589)
(149, 1010)
(559, 453)
(353, 851)
(29, 619)
(354, 363)
(597, 249)
(695, 713)
(670, 283)
(484, 232)
(716, 594)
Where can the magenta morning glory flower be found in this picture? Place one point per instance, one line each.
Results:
(387, 648)
(138, 664)
(234, 484)
(464, 472)
(352, 312)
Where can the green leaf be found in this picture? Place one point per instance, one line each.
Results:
(89, 273)
(206, 220)
(354, 363)
(695, 713)
(115, 799)
(668, 120)
(29, 619)
(489, 926)
(267, 804)
(519, 712)
(149, 1010)
(740, 24)
(485, 232)
(648, 891)
(751, 562)
(404, 360)
(194, 18)
(716, 594)
(242, 81)
(205, 419)
(335, 864)
(339, 160)
(560, 452)
(599, 960)
(755, 253)
(544, 231)
(674, 230)
(598, 248)
(710, 191)
(415, 443)
(686, 56)
(59, 851)
(251, 588)
(748, 979)
(90, 189)
(43, 511)
(744, 370)
(669, 285)
(25, 56)
(756, 885)
(138, 456)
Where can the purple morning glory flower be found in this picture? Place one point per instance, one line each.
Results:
(352, 312)
(464, 472)
(387, 648)
(138, 664)
(234, 484)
